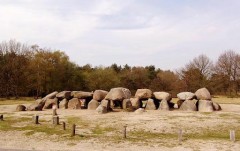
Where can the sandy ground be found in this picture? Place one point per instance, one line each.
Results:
(151, 121)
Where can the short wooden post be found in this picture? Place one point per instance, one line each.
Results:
(180, 136)
(232, 135)
(125, 131)
(64, 126)
(1, 117)
(54, 112)
(56, 120)
(35, 119)
(73, 130)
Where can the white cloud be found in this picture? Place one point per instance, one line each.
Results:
(136, 32)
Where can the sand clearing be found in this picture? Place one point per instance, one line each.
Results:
(151, 130)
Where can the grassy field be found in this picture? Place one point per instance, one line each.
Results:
(21, 100)
(226, 100)
(160, 129)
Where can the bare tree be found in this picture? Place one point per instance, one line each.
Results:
(228, 65)
(203, 64)
(196, 73)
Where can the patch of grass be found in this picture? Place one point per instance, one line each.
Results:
(12, 101)
(212, 134)
(71, 144)
(174, 100)
(98, 130)
(142, 135)
(229, 116)
(206, 113)
(78, 121)
(226, 100)
(9, 125)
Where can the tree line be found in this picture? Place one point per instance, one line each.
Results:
(34, 71)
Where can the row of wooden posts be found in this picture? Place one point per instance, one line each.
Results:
(73, 132)
(55, 121)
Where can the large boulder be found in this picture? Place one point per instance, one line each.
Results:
(50, 103)
(81, 94)
(186, 96)
(216, 106)
(21, 108)
(101, 109)
(36, 106)
(93, 104)
(164, 105)
(136, 103)
(205, 106)
(99, 95)
(143, 94)
(63, 104)
(150, 105)
(179, 103)
(74, 104)
(118, 94)
(162, 96)
(50, 96)
(64, 95)
(106, 103)
(127, 105)
(188, 105)
(203, 94)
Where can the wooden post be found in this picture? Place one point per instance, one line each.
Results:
(64, 126)
(125, 131)
(73, 130)
(35, 119)
(1, 117)
(232, 135)
(54, 112)
(56, 120)
(180, 136)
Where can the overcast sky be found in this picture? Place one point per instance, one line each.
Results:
(164, 33)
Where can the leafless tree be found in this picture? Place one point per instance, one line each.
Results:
(203, 64)
(228, 65)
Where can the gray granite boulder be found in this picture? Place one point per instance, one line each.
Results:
(143, 94)
(203, 94)
(205, 106)
(188, 105)
(118, 94)
(162, 96)
(186, 96)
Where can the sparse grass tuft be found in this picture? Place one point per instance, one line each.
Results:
(98, 130)
(78, 121)
(11, 101)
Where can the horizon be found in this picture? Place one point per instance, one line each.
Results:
(166, 34)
